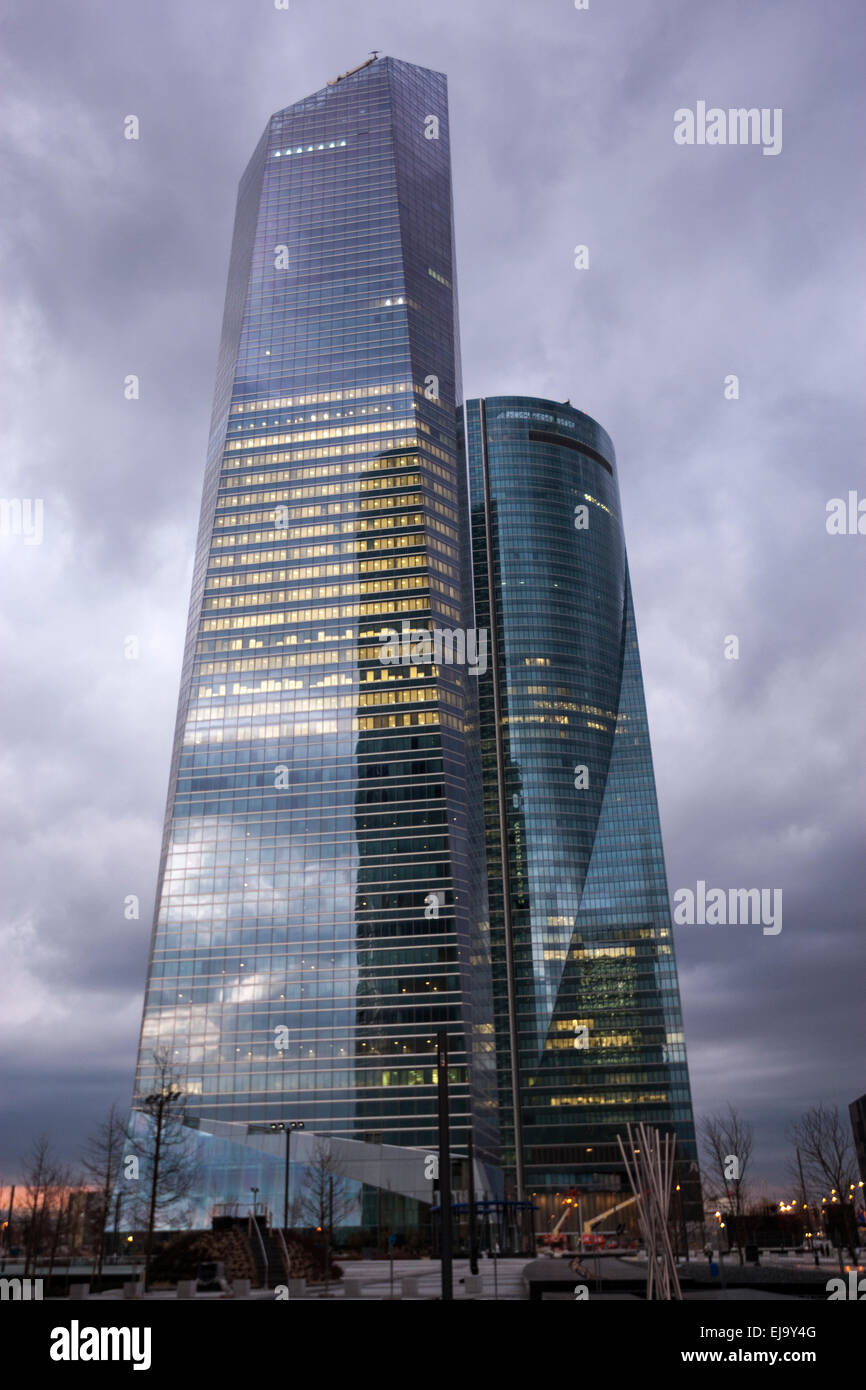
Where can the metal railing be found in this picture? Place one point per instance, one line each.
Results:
(284, 1251)
(252, 1222)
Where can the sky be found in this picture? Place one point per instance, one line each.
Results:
(704, 261)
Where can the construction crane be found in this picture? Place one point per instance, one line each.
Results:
(554, 1239)
(602, 1216)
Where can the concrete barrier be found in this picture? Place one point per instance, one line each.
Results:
(186, 1288)
(133, 1289)
(474, 1285)
(297, 1288)
(79, 1290)
(409, 1286)
(241, 1288)
(352, 1288)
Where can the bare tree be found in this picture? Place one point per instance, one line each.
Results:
(42, 1174)
(326, 1199)
(825, 1152)
(164, 1154)
(726, 1142)
(102, 1154)
(59, 1205)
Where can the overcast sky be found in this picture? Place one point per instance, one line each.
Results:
(703, 261)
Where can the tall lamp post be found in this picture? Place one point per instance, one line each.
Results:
(286, 1127)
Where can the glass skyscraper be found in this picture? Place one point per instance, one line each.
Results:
(321, 907)
(588, 1025)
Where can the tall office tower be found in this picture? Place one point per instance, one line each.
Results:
(588, 1024)
(321, 910)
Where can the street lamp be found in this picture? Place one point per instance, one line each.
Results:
(276, 1127)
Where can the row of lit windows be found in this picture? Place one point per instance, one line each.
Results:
(247, 578)
(308, 149)
(350, 488)
(388, 463)
(591, 1043)
(277, 685)
(336, 528)
(515, 693)
(406, 442)
(350, 508)
(324, 451)
(288, 494)
(293, 639)
(391, 584)
(550, 719)
(236, 733)
(352, 656)
(413, 695)
(348, 393)
(304, 532)
(306, 615)
(352, 547)
(310, 417)
(264, 441)
(653, 1098)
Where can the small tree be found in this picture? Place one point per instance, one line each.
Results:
(164, 1155)
(102, 1154)
(726, 1142)
(823, 1142)
(59, 1209)
(42, 1177)
(326, 1199)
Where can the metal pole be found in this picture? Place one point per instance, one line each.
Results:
(473, 1244)
(330, 1235)
(286, 1180)
(117, 1227)
(8, 1241)
(444, 1165)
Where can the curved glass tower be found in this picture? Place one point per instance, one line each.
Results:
(320, 906)
(588, 1024)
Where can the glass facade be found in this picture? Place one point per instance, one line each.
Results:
(588, 1023)
(321, 906)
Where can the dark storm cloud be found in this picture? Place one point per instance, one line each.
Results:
(703, 262)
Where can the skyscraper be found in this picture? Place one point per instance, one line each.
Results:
(320, 910)
(588, 1024)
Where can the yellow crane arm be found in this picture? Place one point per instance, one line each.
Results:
(588, 1225)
